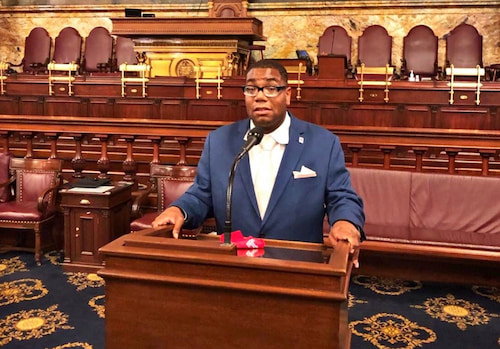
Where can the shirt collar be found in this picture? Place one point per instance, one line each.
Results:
(282, 134)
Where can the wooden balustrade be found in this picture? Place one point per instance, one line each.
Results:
(124, 149)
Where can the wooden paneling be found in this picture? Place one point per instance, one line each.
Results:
(465, 117)
(322, 101)
(64, 106)
(136, 108)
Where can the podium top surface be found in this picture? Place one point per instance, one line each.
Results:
(247, 28)
(308, 258)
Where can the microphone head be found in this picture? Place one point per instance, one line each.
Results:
(256, 132)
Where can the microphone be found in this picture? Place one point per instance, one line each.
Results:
(333, 41)
(254, 137)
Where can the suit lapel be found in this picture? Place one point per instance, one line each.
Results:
(243, 173)
(291, 157)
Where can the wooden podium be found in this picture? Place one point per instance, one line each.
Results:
(168, 293)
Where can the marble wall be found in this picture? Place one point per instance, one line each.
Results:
(287, 26)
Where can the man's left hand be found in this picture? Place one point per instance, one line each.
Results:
(346, 231)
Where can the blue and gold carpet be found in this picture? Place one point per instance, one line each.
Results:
(42, 307)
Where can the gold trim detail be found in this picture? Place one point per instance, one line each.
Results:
(456, 311)
(392, 331)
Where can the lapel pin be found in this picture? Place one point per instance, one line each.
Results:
(301, 140)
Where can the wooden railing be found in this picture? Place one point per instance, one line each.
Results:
(123, 149)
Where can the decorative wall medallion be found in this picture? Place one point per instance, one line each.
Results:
(185, 67)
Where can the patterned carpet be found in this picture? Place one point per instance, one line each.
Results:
(46, 308)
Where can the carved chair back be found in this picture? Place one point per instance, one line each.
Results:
(464, 47)
(68, 46)
(98, 51)
(37, 48)
(375, 47)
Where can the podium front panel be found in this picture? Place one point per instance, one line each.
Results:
(168, 293)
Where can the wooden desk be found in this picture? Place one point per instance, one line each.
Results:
(175, 46)
(332, 67)
(91, 220)
(167, 293)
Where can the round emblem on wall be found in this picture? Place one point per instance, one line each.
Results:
(185, 67)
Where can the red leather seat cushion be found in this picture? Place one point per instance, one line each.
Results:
(20, 211)
(144, 222)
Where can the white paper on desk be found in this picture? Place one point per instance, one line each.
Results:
(100, 189)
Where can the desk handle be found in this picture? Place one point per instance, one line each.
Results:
(84, 202)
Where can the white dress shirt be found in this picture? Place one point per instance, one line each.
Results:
(265, 159)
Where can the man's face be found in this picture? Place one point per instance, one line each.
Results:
(267, 112)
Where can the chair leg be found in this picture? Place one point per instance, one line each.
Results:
(38, 253)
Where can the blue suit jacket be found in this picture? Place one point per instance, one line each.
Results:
(297, 206)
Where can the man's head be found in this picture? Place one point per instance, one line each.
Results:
(267, 95)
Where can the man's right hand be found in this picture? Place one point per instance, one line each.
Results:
(172, 215)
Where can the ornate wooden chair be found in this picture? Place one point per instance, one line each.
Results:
(420, 52)
(464, 47)
(375, 47)
(34, 184)
(464, 60)
(374, 60)
(65, 62)
(124, 52)
(37, 48)
(68, 46)
(335, 41)
(98, 51)
(334, 53)
(168, 183)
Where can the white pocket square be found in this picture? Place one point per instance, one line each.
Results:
(304, 173)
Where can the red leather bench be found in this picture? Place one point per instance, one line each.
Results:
(430, 226)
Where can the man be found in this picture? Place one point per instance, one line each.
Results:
(285, 185)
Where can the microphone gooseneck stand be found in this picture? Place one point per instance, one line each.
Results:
(253, 138)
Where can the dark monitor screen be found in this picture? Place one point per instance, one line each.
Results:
(133, 12)
(302, 54)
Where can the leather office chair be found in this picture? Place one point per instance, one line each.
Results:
(98, 51)
(375, 47)
(169, 183)
(464, 47)
(34, 183)
(37, 48)
(420, 52)
(68, 46)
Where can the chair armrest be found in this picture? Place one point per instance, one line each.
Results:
(7, 184)
(137, 204)
(44, 204)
